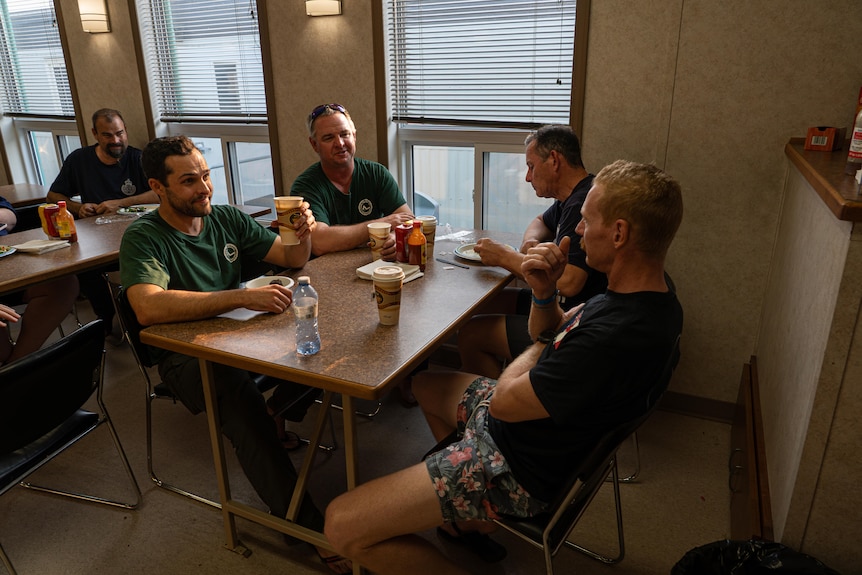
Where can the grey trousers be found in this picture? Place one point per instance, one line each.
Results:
(245, 422)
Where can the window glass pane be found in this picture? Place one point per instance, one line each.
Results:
(34, 79)
(68, 144)
(443, 180)
(449, 66)
(45, 156)
(253, 181)
(211, 150)
(510, 202)
(204, 59)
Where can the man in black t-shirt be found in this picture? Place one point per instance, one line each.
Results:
(499, 332)
(590, 369)
(106, 176)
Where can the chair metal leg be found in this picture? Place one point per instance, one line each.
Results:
(366, 414)
(153, 477)
(104, 419)
(7, 562)
(615, 480)
(332, 446)
(631, 478)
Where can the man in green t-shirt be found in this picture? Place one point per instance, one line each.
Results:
(182, 262)
(346, 192)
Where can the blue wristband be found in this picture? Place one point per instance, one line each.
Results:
(545, 301)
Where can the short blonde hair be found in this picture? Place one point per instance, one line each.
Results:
(644, 196)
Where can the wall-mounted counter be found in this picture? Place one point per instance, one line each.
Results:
(824, 171)
(809, 360)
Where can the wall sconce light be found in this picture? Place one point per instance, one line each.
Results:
(322, 7)
(94, 16)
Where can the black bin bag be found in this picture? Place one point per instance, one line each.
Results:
(748, 558)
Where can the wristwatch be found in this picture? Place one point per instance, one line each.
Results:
(546, 336)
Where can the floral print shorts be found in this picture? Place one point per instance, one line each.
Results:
(471, 476)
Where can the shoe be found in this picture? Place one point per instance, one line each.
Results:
(290, 441)
(336, 563)
(480, 544)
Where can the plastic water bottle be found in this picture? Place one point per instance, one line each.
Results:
(305, 308)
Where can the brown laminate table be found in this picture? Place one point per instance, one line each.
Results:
(359, 358)
(97, 245)
(22, 195)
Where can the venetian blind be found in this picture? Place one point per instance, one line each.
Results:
(204, 59)
(500, 63)
(33, 75)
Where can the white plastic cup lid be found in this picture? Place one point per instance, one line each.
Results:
(388, 273)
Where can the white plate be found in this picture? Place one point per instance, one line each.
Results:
(468, 252)
(137, 210)
(7, 251)
(266, 280)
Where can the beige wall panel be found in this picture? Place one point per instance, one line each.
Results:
(106, 70)
(321, 60)
(630, 74)
(800, 305)
(838, 494)
(744, 80)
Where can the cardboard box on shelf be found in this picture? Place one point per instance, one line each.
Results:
(825, 138)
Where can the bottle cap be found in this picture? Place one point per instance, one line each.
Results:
(303, 280)
(62, 203)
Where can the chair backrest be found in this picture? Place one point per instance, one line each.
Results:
(585, 481)
(43, 389)
(130, 325)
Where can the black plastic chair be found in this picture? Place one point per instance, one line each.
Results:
(42, 413)
(131, 332)
(549, 531)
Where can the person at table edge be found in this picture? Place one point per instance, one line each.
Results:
(48, 303)
(522, 435)
(107, 175)
(345, 192)
(555, 170)
(182, 262)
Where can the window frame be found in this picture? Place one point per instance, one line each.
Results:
(19, 145)
(228, 135)
(482, 142)
(401, 137)
(228, 130)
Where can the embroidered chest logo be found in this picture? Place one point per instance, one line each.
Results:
(129, 188)
(230, 252)
(365, 207)
(573, 323)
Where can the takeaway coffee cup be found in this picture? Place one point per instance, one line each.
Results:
(287, 210)
(378, 233)
(387, 291)
(429, 229)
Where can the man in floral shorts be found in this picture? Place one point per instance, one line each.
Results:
(520, 436)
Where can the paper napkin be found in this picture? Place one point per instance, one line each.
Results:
(411, 272)
(41, 246)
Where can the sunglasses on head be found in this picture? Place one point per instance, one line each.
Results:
(323, 107)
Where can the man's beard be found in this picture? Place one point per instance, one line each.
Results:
(188, 208)
(116, 151)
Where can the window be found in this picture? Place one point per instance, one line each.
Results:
(464, 95)
(204, 64)
(48, 143)
(38, 115)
